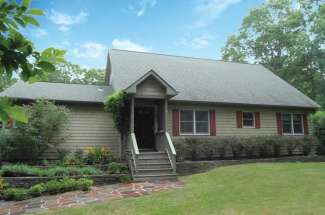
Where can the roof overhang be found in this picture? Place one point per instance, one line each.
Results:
(170, 91)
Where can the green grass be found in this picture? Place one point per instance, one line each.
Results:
(279, 188)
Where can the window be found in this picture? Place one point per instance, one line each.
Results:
(194, 122)
(292, 123)
(248, 119)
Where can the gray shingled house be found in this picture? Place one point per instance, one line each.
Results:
(175, 97)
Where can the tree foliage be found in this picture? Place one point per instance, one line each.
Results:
(29, 140)
(69, 73)
(17, 54)
(287, 37)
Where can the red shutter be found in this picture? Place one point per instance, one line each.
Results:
(212, 123)
(257, 120)
(305, 123)
(239, 118)
(279, 123)
(176, 122)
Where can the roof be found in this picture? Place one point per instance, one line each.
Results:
(207, 80)
(169, 89)
(58, 92)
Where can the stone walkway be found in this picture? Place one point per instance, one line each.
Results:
(96, 194)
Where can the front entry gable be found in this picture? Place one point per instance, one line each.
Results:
(151, 85)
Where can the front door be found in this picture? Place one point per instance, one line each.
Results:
(144, 126)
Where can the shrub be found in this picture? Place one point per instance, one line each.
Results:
(98, 156)
(28, 141)
(84, 184)
(262, 146)
(117, 168)
(319, 130)
(37, 190)
(236, 146)
(291, 144)
(3, 186)
(17, 194)
(221, 148)
(72, 160)
(125, 179)
(250, 147)
(20, 170)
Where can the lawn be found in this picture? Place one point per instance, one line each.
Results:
(279, 188)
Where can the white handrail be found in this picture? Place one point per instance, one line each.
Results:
(134, 144)
(170, 143)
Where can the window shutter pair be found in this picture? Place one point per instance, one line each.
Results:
(239, 119)
(280, 124)
(176, 122)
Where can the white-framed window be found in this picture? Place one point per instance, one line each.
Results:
(292, 124)
(248, 120)
(194, 122)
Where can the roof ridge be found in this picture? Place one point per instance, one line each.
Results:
(95, 85)
(180, 56)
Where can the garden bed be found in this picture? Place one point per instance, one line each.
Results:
(192, 167)
(27, 182)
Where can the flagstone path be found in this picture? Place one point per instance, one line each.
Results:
(96, 194)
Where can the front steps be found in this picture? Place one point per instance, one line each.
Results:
(153, 166)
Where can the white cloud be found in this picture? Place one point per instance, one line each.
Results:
(141, 7)
(128, 45)
(65, 20)
(198, 41)
(39, 33)
(64, 28)
(92, 50)
(208, 10)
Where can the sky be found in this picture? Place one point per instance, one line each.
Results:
(86, 29)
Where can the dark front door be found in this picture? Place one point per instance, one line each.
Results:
(144, 127)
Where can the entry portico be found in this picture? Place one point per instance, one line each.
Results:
(148, 139)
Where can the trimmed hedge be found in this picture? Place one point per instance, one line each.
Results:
(242, 147)
(51, 187)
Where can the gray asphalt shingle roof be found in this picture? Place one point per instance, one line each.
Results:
(205, 80)
(58, 92)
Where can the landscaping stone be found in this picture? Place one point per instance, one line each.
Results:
(96, 194)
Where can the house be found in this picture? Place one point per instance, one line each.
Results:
(174, 97)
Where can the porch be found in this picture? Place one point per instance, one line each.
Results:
(151, 151)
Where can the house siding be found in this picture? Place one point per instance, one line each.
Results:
(89, 126)
(150, 87)
(226, 122)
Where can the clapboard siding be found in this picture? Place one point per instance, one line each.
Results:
(89, 126)
(226, 119)
(151, 87)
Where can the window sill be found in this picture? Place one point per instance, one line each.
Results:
(192, 134)
(248, 127)
(290, 134)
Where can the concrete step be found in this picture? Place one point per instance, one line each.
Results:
(152, 155)
(154, 177)
(144, 161)
(154, 166)
(155, 171)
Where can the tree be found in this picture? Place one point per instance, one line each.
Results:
(18, 55)
(287, 37)
(71, 73)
